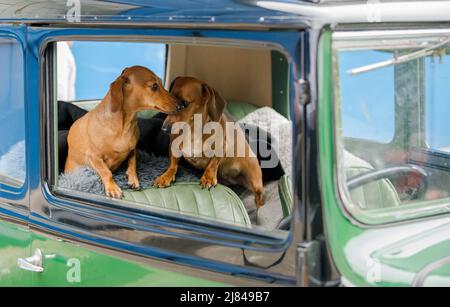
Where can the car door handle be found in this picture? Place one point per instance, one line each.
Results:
(33, 263)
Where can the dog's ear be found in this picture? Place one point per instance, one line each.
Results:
(172, 84)
(116, 91)
(215, 102)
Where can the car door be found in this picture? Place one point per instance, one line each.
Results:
(385, 204)
(14, 200)
(83, 241)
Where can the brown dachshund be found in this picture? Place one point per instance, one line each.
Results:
(201, 99)
(107, 135)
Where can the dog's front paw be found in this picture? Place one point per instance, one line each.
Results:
(164, 181)
(207, 182)
(113, 190)
(259, 199)
(133, 182)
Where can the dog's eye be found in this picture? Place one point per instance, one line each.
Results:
(154, 86)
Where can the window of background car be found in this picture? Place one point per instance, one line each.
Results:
(394, 88)
(254, 82)
(12, 115)
(367, 112)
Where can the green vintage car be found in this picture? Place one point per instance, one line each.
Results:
(355, 94)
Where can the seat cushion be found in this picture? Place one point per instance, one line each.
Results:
(285, 192)
(374, 195)
(147, 113)
(238, 110)
(220, 203)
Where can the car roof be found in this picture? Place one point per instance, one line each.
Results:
(216, 13)
(154, 11)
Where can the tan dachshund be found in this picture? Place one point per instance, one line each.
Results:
(201, 99)
(107, 135)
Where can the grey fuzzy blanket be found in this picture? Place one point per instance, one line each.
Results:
(149, 167)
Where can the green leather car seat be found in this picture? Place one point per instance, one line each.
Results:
(238, 110)
(374, 195)
(220, 203)
(285, 193)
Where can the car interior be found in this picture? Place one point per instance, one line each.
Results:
(255, 83)
(393, 141)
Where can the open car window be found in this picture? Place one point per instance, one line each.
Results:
(255, 104)
(391, 128)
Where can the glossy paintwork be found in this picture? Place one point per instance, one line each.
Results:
(14, 243)
(96, 269)
(382, 256)
(200, 248)
(434, 278)
(208, 12)
(228, 12)
(390, 255)
(61, 257)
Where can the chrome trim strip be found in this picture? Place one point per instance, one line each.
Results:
(295, 23)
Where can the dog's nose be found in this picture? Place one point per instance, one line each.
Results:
(180, 105)
(166, 128)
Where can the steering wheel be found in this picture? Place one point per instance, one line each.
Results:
(394, 172)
